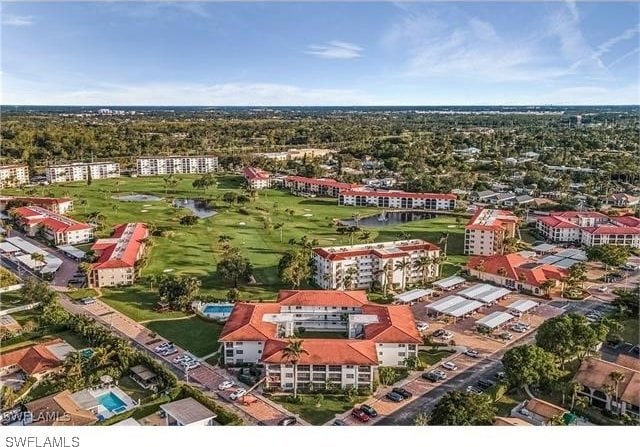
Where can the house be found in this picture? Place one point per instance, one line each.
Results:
(144, 377)
(176, 164)
(597, 379)
(511, 422)
(316, 186)
(57, 410)
(13, 175)
(517, 272)
(256, 178)
(75, 172)
(519, 200)
(37, 360)
(467, 152)
(187, 412)
(486, 231)
(483, 196)
(622, 200)
(59, 229)
(118, 255)
(538, 412)
(385, 198)
(387, 182)
(56, 205)
(367, 336)
(364, 265)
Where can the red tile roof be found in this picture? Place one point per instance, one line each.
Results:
(321, 182)
(515, 266)
(246, 322)
(396, 324)
(490, 219)
(627, 221)
(38, 201)
(32, 359)
(338, 298)
(255, 173)
(557, 222)
(325, 352)
(32, 215)
(121, 250)
(397, 194)
(578, 214)
(336, 254)
(610, 229)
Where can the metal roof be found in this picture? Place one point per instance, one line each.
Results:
(485, 293)
(522, 305)
(412, 295)
(494, 320)
(449, 282)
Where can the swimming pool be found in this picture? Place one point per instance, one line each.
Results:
(218, 308)
(215, 311)
(111, 402)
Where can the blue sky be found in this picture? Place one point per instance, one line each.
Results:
(320, 54)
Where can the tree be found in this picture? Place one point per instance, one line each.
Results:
(38, 258)
(387, 375)
(609, 255)
(510, 245)
(234, 267)
(233, 295)
(189, 220)
(547, 285)
(292, 352)
(170, 182)
(403, 266)
(421, 419)
(617, 377)
(463, 408)
(423, 264)
(85, 267)
(529, 365)
(178, 290)
(295, 266)
(101, 356)
(569, 335)
(33, 291)
(413, 363)
(230, 197)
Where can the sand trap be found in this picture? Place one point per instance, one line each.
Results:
(144, 211)
(451, 226)
(306, 209)
(242, 224)
(308, 215)
(167, 270)
(330, 238)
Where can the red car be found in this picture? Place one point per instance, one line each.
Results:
(360, 415)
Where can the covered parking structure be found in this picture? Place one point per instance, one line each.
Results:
(494, 320)
(413, 295)
(449, 283)
(522, 306)
(454, 306)
(485, 293)
(72, 252)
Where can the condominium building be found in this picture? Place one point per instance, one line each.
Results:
(256, 178)
(590, 228)
(316, 186)
(178, 164)
(75, 172)
(13, 175)
(374, 335)
(486, 231)
(397, 199)
(57, 205)
(117, 256)
(362, 266)
(59, 229)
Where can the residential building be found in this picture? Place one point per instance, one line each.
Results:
(177, 164)
(621, 200)
(484, 196)
(57, 205)
(364, 265)
(36, 360)
(536, 411)
(590, 228)
(59, 229)
(596, 377)
(13, 175)
(384, 198)
(187, 413)
(517, 272)
(117, 256)
(316, 186)
(374, 335)
(610, 234)
(486, 231)
(256, 178)
(387, 182)
(75, 172)
(57, 410)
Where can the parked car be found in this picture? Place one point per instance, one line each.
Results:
(450, 366)
(169, 351)
(394, 397)
(360, 415)
(87, 301)
(431, 376)
(439, 333)
(422, 326)
(474, 390)
(517, 328)
(406, 394)
(226, 384)
(190, 366)
(371, 412)
(472, 353)
(237, 394)
(593, 318)
(602, 289)
(339, 422)
(515, 312)
(180, 358)
(447, 335)
(500, 375)
(505, 335)
(289, 420)
(163, 346)
(485, 384)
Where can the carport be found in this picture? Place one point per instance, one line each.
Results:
(522, 306)
(544, 248)
(485, 293)
(72, 252)
(494, 320)
(449, 283)
(413, 295)
(454, 306)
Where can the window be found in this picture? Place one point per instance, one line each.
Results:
(289, 375)
(238, 343)
(239, 351)
(401, 345)
(350, 376)
(402, 354)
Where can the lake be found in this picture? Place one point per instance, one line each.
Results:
(137, 198)
(390, 218)
(199, 208)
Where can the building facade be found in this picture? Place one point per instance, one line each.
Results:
(60, 206)
(13, 175)
(256, 178)
(179, 164)
(590, 228)
(316, 186)
(374, 335)
(75, 172)
(486, 231)
(59, 229)
(117, 256)
(396, 199)
(362, 266)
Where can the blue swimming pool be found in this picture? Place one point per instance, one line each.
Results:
(218, 309)
(111, 402)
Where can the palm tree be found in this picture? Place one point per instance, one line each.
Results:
(617, 377)
(403, 265)
(423, 263)
(349, 274)
(547, 286)
(574, 389)
(38, 258)
(102, 356)
(292, 353)
(279, 226)
(74, 364)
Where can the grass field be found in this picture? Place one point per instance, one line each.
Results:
(318, 415)
(193, 334)
(195, 251)
(432, 357)
(631, 332)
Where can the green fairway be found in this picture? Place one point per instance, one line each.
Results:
(193, 334)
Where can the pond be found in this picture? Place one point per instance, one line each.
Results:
(137, 198)
(390, 218)
(199, 208)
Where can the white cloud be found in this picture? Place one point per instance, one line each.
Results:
(14, 20)
(607, 45)
(335, 49)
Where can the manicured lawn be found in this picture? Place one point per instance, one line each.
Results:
(11, 299)
(134, 390)
(307, 410)
(506, 403)
(432, 357)
(82, 293)
(631, 332)
(193, 334)
(137, 302)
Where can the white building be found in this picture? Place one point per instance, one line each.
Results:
(396, 199)
(256, 178)
(75, 172)
(178, 164)
(361, 266)
(59, 229)
(590, 228)
(374, 335)
(486, 231)
(187, 412)
(316, 186)
(13, 175)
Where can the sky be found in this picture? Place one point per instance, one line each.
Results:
(260, 54)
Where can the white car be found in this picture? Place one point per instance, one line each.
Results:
(422, 326)
(163, 346)
(190, 366)
(237, 394)
(447, 335)
(226, 384)
(602, 289)
(450, 366)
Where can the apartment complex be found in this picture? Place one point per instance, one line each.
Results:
(256, 178)
(316, 186)
(375, 335)
(590, 228)
(75, 172)
(397, 199)
(486, 231)
(397, 263)
(13, 175)
(178, 164)
(117, 256)
(57, 205)
(59, 229)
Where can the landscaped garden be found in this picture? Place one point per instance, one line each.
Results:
(317, 409)
(194, 334)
